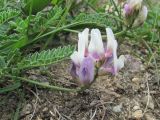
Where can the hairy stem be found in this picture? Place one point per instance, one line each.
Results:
(56, 88)
(44, 85)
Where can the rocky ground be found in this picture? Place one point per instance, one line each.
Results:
(133, 94)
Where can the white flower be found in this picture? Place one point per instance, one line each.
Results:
(87, 56)
(111, 52)
(78, 56)
(96, 45)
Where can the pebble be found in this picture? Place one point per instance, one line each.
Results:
(143, 86)
(137, 114)
(136, 80)
(27, 109)
(136, 107)
(117, 108)
(45, 109)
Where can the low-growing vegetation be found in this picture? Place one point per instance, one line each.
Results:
(79, 59)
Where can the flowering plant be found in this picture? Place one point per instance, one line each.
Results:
(92, 55)
(135, 13)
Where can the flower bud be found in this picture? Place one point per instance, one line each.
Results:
(135, 14)
(142, 16)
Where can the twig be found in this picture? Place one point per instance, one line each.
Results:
(35, 105)
(37, 97)
(114, 4)
(148, 96)
(93, 114)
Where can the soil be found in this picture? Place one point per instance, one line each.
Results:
(133, 94)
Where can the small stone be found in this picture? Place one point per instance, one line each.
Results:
(136, 107)
(150, 104)
(137, 114)
(136, 80)
(45, 109)
(27, 109)
(33, 101)
(117, 108)
(142, 86)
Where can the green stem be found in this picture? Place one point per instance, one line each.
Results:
(120, 33)
(113, 2)
(91, 6)
(62, 20)
(29, 17)
(62, 28)
(67, 30)
(116, 34)
(45, 85)
(78, 89)
(103, 36)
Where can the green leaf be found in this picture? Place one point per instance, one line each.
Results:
(2, 65)
(53, 16)
(37, 5)
(2, 62)
(17, 39)
(54, 2)
(43, 21)
(46, 57)
(93, 18)
(8, 14)
(10, 87)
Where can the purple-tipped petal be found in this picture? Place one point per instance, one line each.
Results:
(73, 70)
(96, 56)
(108, 65)
(127, 9)
(86, 71)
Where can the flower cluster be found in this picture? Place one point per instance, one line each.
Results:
(93, 54)
(135, 13)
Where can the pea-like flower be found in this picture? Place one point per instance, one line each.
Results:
(132, 6)
(112, 63)
(95, 55)
(135, 14)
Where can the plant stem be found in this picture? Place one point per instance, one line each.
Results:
(62, 28)
(103, 36)
(46, 85)
(113, 2)
(68, 30)
(62, 21)
(29, 17)
(116, 34)
(56, 88)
